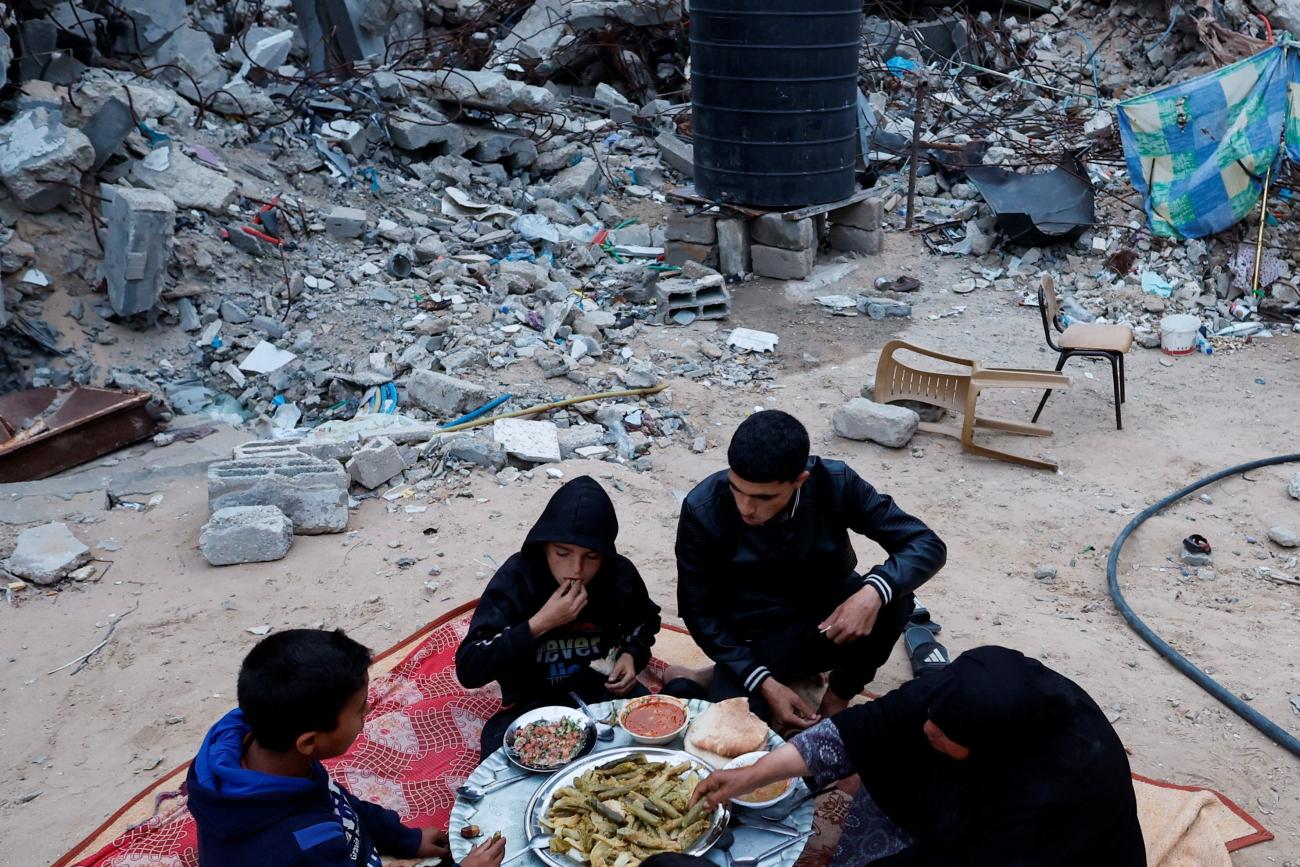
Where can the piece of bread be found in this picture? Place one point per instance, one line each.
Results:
(728, 729)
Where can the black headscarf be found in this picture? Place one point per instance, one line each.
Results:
(1047, 781)
(994, 699)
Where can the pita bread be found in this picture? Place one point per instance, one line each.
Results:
(728, 729)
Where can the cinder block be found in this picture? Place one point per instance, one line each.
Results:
(137, 245)
(312, 493)
(698, 229)
(680, 252)
(773, 230)
(867, 214)
(868, 243)
(782, 264)
(733, 247)
(707, 297)
(264, 449)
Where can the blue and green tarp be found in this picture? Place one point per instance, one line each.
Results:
(1198, 151)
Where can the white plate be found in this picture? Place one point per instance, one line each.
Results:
(549, 714)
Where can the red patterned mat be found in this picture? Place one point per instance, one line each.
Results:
(420, 742)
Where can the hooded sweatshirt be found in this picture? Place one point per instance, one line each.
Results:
(618, 615)
(251, 819)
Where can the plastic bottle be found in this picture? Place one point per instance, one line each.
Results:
(1203, 346)
(1074, 310)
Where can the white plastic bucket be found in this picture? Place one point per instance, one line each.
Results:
(1178, 333)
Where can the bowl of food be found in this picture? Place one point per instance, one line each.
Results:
(654, 719)
(549, 738)
(763, 796)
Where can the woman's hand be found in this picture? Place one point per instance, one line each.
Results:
(783, 763)
(433, 843)
(720, 787)
(487, 854)
(623, 677)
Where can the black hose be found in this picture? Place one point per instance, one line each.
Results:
(1275, 732)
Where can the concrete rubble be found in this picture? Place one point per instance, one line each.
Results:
(343, 259)
(887, 424)
(47, 553)
(246, 534)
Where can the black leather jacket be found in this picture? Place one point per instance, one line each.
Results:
(736, 583)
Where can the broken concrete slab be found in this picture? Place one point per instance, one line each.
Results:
(137, 246)
(470, 448)
(676, 153)
(246, 534)
(445, 396)
(886, 424)
(375, 463)
(107, 129)
(537, 442)
(583, 436)
(42, 161)
(312, 493)
(151, 21)
(187, 183)
(481, 88)
(192, 66)
(413, 132)
(577, 180)
(267, 47)
(46, 554)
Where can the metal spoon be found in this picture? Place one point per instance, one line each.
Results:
(780, 847)
(540, 842)
(474, 794)
(603, 732)
(725, 842)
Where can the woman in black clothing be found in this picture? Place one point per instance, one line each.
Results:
(995, 760)
(566, 600)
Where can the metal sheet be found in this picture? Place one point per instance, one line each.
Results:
(78, 426)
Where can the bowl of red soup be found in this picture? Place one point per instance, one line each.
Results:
(654, 719)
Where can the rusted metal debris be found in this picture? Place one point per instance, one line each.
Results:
(47, 431)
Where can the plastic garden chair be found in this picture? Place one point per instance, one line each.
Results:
(959, 392)
(1084, 338)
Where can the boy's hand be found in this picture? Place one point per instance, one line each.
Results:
(487, 854)
(433, 844)
(564, 606)
(789, 712)
(623, 677)
(854, 618)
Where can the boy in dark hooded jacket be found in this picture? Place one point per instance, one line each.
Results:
(566, 600)
(257, 790)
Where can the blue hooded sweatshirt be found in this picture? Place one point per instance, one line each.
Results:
(250, 819)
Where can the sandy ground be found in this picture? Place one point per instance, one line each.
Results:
(89, 741)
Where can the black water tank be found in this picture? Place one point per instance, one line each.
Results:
(774, 97)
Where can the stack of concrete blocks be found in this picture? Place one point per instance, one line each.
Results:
(706, 297)
(857, 228)
(784, 249)
(692, 239)
(312, 493)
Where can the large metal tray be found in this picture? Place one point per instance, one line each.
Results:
(541, 799)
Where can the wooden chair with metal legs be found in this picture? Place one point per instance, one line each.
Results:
(958, 393)
(1086, 339)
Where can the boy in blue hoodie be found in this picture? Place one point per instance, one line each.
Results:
(257, 789)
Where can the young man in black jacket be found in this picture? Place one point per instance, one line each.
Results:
(566, 600)
(766, 574)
